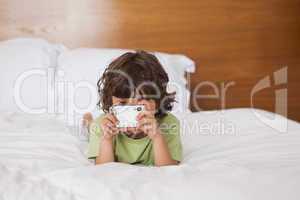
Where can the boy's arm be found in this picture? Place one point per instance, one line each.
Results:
(109, 129)
(161, 148)
(106, 151)
(162, 155)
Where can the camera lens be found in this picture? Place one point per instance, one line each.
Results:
(138, 108)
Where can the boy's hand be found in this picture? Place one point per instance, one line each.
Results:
(108, 126)
(146, 120)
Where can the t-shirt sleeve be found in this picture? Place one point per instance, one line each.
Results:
(171, 131)
(94, 139)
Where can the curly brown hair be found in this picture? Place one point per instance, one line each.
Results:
(136, 73)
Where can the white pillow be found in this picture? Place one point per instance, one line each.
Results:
(84, 66)
(27, 74)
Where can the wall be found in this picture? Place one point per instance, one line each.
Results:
(233, 42)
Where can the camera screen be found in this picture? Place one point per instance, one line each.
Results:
(127, 114)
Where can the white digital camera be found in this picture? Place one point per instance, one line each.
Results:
(127, 114)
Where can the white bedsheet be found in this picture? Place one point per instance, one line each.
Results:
(40, 159)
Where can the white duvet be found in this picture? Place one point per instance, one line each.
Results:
(41, 159)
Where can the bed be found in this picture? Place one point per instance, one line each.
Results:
(253, 162)
(228, 154)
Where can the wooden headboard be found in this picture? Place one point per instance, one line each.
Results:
(234, 43)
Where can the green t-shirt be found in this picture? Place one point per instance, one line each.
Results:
(138, 151)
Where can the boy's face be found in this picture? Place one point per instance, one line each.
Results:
(149, 106)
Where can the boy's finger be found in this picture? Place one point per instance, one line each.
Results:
(140, 116)
(110, 125)
(106, 122)
(122, 129)
(143, 123)
(115, 131)
(145, 114)
(111, 130)
(112, 118)
(145, 128)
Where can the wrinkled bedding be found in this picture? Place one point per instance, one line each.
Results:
(40, 158)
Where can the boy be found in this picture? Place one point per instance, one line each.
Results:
(136, 79)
